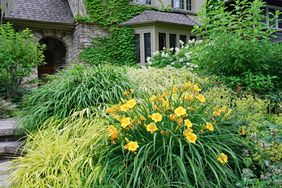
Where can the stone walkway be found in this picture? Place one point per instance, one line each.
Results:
(4, 173)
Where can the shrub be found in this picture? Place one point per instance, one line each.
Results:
(73, 89)
(65, 153)
(174, 57)
(238, 46)
(6, 108)
(19, 55)
(177, 138)
(151, 80)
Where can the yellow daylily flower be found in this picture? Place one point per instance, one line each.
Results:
(131, 103)
(201, 98)
(222, 158)
(112, 132)
(156, 117)
(124, 108)
(209, 126)
(153, 98)
(196, 88)
(188, 97)
(180, 111)
(131, 146)
(125, 121)
(152, 127)
(190, 136)
(188, 123)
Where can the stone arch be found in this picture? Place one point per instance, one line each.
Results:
(63, 36)
(55, 56)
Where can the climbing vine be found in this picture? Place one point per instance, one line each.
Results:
(118, 47)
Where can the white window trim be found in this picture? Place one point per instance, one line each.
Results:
(185, 6)
(276, 19)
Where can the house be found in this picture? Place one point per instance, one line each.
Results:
(52, 23)
(155, 30)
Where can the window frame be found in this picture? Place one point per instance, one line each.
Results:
(186, 5)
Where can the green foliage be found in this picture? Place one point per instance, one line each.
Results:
(237, 47)
(73, 89)
(64, 154)
(118, 48)
(6, 108)
(166, 155)
(19, 55)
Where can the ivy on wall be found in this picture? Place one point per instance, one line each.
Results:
(118, 47)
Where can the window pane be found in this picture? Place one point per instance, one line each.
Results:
(188, 4)
(183, 38)
(172, 40)
(175, 3)
(147, 45)
(137, 47)
(162, 41)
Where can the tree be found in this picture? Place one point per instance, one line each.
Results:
(19, 55)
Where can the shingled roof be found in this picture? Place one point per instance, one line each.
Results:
(150, 16)
(53, 11)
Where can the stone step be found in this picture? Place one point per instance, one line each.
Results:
(10, 148)
(8, 131)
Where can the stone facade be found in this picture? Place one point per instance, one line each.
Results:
(83, 35)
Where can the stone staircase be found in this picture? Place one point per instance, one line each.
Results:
(10, 147)
(10, 142)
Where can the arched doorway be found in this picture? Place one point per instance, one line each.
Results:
(55, 55)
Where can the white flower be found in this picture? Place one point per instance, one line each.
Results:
(187, 55)
(171, 49)
(181, 42)
(156, 53)
(173, 63)
(181, 60)
(148, 59)
(177, 49)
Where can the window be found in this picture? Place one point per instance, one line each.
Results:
(172, 40)
(272, 19)
(147, 45)
(148, 2)
(182, 4)
(162, 41)
(183, 38)
(193, 38)
(137, 47)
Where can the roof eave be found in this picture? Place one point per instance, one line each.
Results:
(153, 22)
(40, 23)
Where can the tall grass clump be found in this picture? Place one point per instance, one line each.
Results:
(73, 89)
(176, 138)
(64, 154)
(151, 80)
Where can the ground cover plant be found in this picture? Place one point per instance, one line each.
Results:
(73, 89)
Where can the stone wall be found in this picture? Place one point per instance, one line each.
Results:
(83, 35)
(77, 7)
